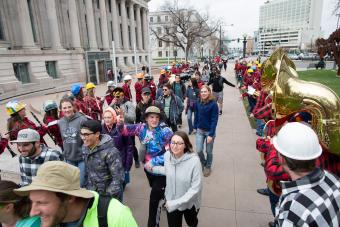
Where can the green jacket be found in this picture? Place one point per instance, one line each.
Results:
(118, 215)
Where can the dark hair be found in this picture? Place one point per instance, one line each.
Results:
(188, 146)
(194, 83)
(66, 99)
(15, 118)
(92, 125)
(51, 113)
(21, 205)
(167, 85)
(299, 165)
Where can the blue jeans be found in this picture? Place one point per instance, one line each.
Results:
(201, 138)
(190, 113)
(259, 127)
(81, 166)
(273, 199)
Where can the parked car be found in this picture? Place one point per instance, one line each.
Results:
(310, 56)
(293, 56)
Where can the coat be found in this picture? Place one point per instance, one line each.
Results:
(176, 108)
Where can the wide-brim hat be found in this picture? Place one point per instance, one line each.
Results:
(57, 176)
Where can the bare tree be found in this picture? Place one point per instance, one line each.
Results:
(336, 7)
(185, 28)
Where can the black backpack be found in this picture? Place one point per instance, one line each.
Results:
(103, 205)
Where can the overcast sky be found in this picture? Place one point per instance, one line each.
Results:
(244, 14)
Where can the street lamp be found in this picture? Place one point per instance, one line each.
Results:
(244, 45)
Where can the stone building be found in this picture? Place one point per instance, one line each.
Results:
(46, 44)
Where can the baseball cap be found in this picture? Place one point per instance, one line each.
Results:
(92, 125)
(146, 90)
(57, 176)
(27, 135)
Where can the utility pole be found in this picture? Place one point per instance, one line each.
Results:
(220, 40)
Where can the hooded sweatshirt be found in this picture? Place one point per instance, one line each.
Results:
(183, 181)
(69, 130)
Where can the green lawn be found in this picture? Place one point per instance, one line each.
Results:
(326, 77)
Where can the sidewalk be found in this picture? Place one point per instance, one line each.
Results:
(229, 194)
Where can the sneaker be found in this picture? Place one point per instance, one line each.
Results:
(137, 165)
(263, 191)
(206, 172)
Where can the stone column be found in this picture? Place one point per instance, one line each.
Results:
(124, 25)
(103, 21)
(53, 24)
(115, 24)
(25, 25)
(132, 25)
(74, 25)
(139, 28)
(145, 29)
(90, 25)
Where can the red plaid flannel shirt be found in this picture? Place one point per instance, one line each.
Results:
(26, 123)
(263, 107)
(138, 90)
(127, 92)
(94, 107)
(81, 106)
(54, 130)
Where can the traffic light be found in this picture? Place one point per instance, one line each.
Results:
(238, 40)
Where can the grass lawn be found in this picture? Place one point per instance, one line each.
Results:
(326, 77)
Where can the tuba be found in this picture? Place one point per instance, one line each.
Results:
(291, 95)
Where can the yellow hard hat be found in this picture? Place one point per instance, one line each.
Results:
(250, 71)
(259, 65)
(14, 106)
(90, 86)
(256, 62)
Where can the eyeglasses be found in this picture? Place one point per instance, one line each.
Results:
(176, 143)
(85, 135)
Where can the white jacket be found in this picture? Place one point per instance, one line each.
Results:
(183, 181)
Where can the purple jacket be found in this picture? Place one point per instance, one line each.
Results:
(123, 143)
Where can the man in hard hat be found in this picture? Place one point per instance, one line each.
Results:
(78, 94)
(126, 87)
(94, 104)
(312, 197)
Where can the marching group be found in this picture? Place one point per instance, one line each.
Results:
(301, 172)
(83, 182)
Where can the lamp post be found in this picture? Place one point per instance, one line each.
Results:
(244, 45)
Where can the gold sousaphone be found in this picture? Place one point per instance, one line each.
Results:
(291, 95)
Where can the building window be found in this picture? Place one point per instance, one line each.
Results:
(140, 59)
(128, 12)
(166, 53)
(100, 31)
(110, 5)
(2, 33)
(166, 18)
(159, 54)
(159, 43)
(111, 27)
(146, 58)
(158, 18)
(30, 9)
(125, 60)
(151, 19)
(133, 59)
(175, 53)
(159, 30)
(121, 34)
(97, 4)
(167, 44)
(87, 32)
(21, 72)
(119, 12)
(129, 32)
(51, 69)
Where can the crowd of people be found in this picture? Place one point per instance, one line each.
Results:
(95, 147)
(81, 180)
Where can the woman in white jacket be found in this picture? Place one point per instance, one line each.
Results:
(183, 171)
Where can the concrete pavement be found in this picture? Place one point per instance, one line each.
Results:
(229, 194)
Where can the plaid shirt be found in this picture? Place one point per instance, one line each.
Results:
(313, 200)
(29, 167)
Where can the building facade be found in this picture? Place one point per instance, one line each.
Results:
(160, 50)
(50, 43)
(291, 24)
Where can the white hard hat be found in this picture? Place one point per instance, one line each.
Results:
(110, 83)
(297, 141)
(127, 77)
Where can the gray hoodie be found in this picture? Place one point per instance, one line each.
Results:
(69, 130)
(183, 181)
